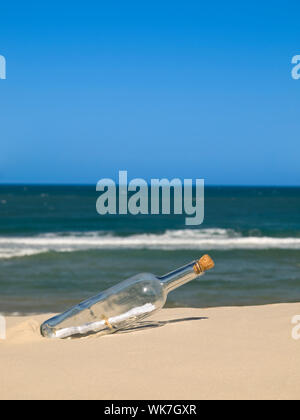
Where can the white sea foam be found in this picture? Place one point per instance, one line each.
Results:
(198, 239)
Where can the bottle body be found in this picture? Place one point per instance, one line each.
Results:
(118, 307)
(123, 305)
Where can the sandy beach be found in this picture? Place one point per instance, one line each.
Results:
(218, 353)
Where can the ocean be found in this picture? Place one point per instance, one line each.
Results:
(56, 250)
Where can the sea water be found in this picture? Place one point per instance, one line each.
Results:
(56, 250)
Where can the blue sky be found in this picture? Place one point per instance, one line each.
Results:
(161, 89)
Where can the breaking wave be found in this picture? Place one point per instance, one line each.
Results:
(200, 239)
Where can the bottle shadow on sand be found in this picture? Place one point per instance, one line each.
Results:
(142, 325)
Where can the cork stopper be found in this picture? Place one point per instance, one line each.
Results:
(204, 264)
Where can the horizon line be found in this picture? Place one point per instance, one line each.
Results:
(46, 184)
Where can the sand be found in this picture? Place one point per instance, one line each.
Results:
(218, 353)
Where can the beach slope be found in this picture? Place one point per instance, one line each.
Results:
(217, 353)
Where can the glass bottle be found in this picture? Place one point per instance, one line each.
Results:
(123, 305)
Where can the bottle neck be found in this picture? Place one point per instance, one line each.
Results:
(180, 276)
